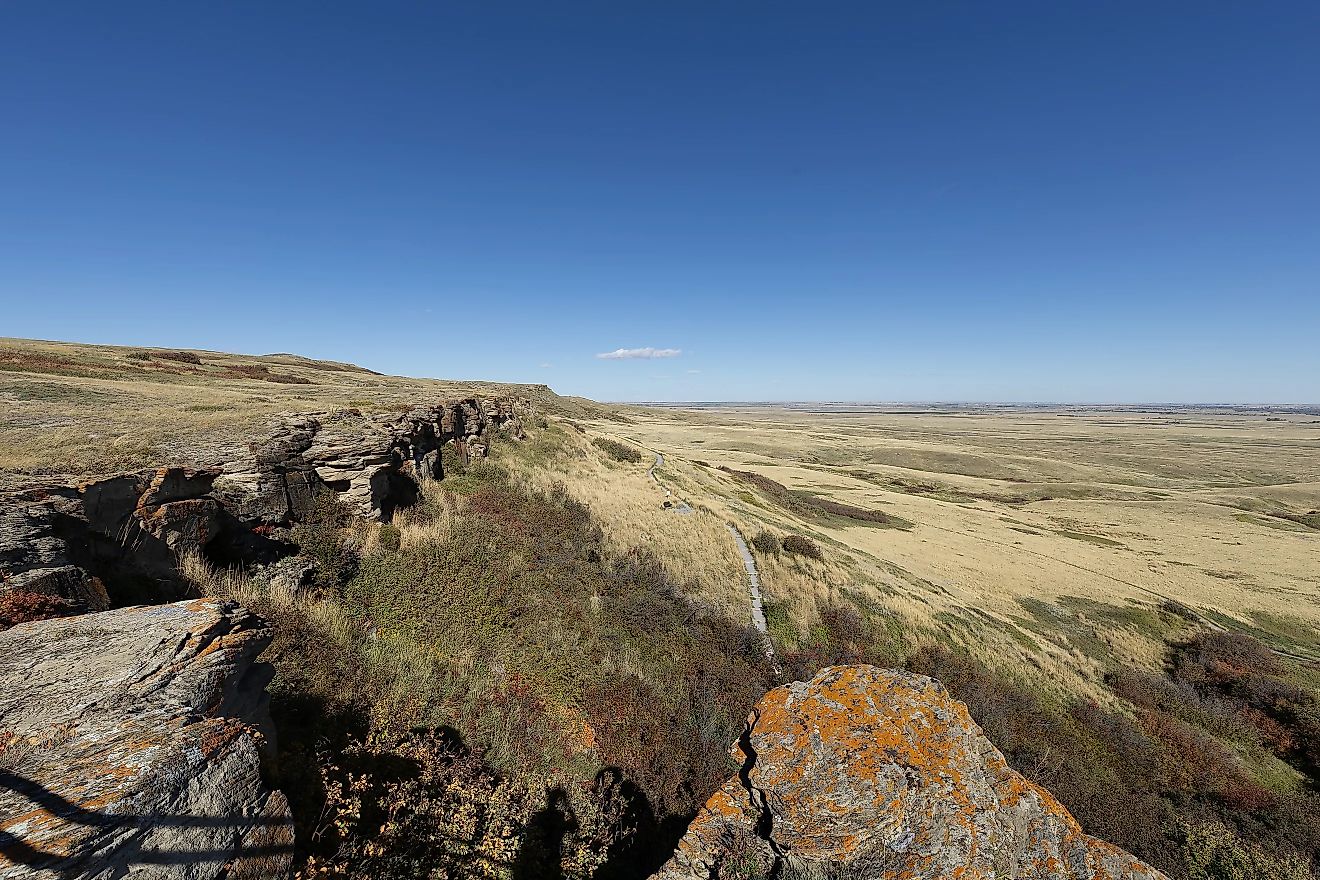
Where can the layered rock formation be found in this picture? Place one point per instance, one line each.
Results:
(372, 461)
(115, 541)
(873, 773)
(35, 555)
(132, 744)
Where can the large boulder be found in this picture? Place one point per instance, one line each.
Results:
(880, 774)
(134, 743)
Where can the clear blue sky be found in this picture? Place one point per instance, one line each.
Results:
(1114, 201)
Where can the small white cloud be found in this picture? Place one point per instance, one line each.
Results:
(622, 354)
(693, 372)
(546, 366)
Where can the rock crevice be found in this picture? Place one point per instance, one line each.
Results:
(878, 773)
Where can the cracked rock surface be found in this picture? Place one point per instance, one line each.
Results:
(134, 743)
(883, 775)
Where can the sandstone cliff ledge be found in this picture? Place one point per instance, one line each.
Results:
(114, 540)
(866, 772)
(133, 746)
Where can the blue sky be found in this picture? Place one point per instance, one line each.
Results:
(1112, 201)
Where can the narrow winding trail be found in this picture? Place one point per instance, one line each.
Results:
(749, 563)
(753, 578)
(680, 506)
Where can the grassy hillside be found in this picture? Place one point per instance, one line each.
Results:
(537, 670)
(1086, 583)
(560, 694)
(93, 409)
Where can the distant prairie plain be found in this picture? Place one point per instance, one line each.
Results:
(1039, 521)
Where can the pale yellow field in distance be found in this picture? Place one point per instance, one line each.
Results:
(1019, 514)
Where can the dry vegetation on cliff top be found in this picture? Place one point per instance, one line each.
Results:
(534, 668)
(95, 409)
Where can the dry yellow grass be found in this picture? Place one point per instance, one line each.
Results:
(1019, 514)
(695, 548)
(95, 409)
(1020, 517)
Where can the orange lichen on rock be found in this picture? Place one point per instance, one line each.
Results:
(158, 754)
(883, 772)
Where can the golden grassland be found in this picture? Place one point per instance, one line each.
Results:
(695, 548)
(561, 611)
(94, 409)
(1047, 540)
(1066, 541)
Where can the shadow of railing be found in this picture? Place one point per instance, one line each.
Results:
(22, 852)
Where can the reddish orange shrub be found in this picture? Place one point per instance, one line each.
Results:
(21, 606)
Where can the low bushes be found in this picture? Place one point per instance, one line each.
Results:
(800, 545)
(1169, 782)
(183, 357)
(767, 543)
(621, 452)
(807, 505)
(424, 806)
(587, 702)
(22, 606)
(262, 372)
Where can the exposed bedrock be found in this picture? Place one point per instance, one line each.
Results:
(134, 743)
(869, 772)
(115, 541)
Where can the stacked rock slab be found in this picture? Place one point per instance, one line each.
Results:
(57, 538)
(34, 552)
(874, 773)
(370, 460)
(133, 744)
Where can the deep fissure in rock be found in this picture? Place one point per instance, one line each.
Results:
(765, 820)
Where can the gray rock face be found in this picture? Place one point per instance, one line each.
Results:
(373, 462)
(866, 772)
(133, 746)
(34, 556)
(124, 532)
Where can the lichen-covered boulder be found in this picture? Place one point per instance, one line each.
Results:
(883, 775)
(133, 743)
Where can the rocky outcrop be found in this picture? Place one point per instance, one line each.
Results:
(115, 541)
(874, 773)
(35, 555)
(373, 462)
(132, 744)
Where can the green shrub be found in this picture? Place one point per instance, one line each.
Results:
(1212, 851)
(321, 538)
(618, 451)
(767, 543)
(800, 545)
(389, 538)
(183, 357)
